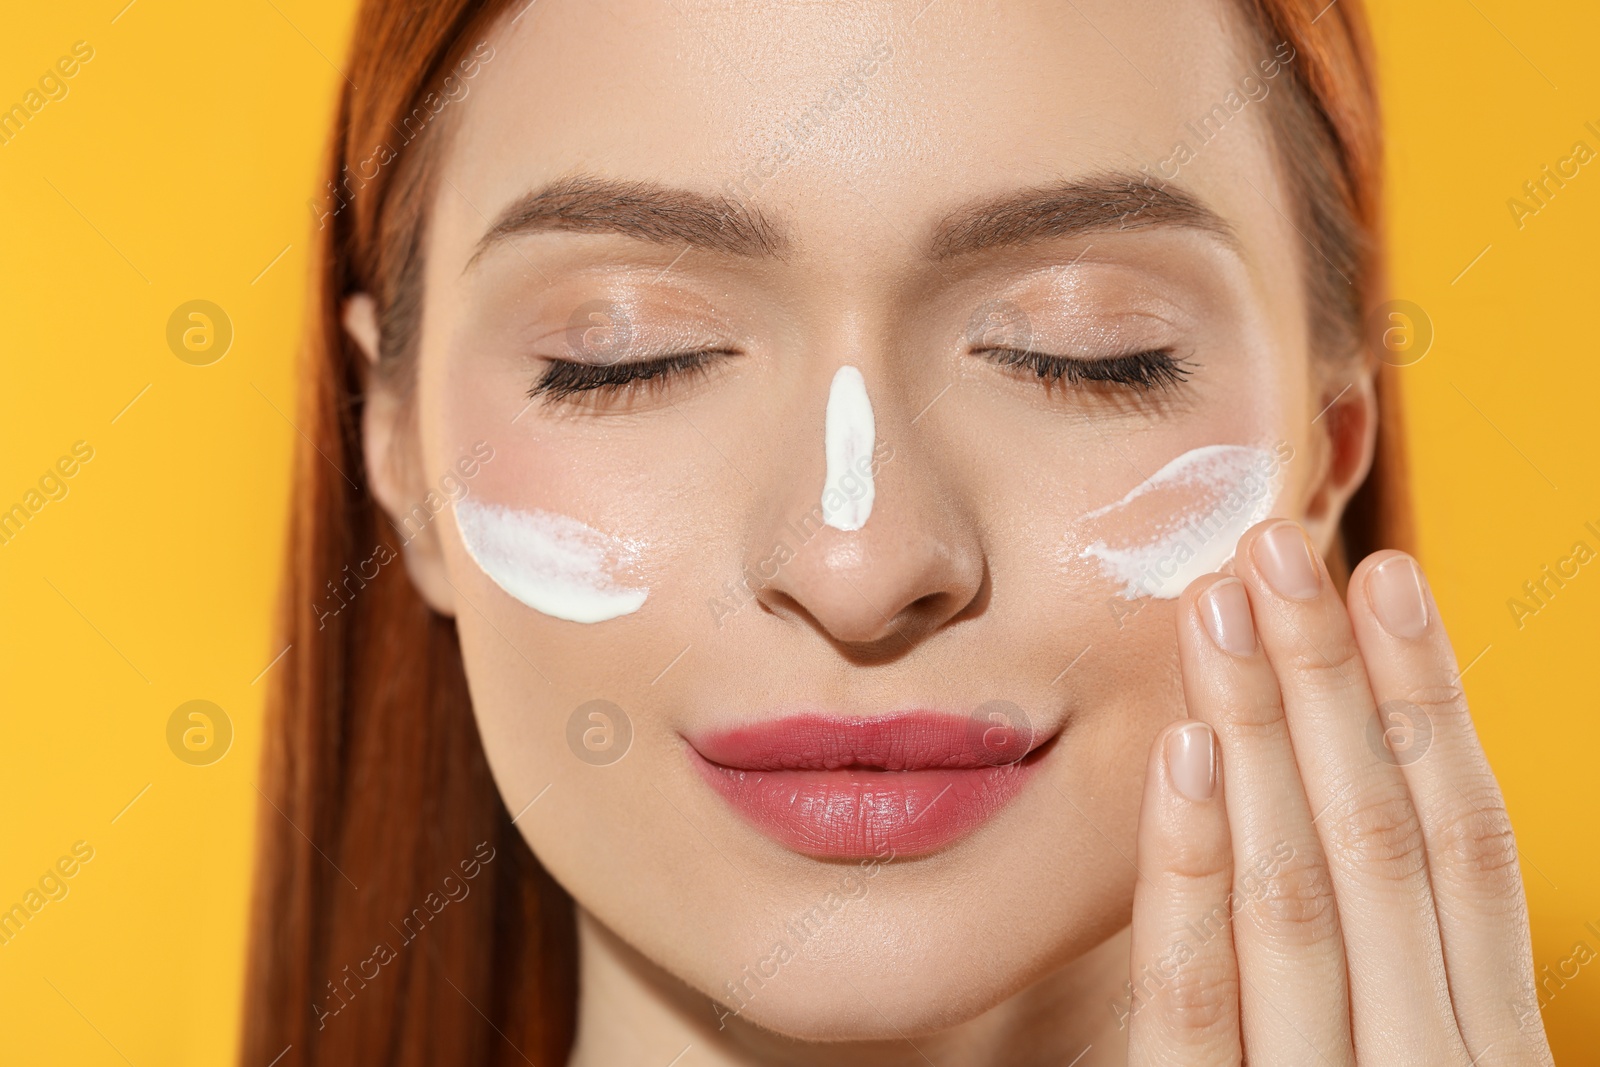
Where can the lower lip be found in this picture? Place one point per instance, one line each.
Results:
(924, 785)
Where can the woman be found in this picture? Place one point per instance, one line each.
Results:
(823, 540)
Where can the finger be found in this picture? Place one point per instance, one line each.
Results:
(1295, 1005)
(1423, 726)
(1185, 1003)
(1361, 808)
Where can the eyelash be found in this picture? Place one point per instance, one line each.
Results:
(564, 379)
(1153, 369)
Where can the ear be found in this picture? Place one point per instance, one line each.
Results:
(1343, 440)
(394, 464)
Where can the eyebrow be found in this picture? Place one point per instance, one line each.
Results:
(1114, 201)
(646, 211)
(670, 215)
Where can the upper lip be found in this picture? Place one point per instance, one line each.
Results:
(902, 741)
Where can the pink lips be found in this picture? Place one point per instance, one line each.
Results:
(910, 783)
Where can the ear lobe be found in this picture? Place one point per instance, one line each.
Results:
(1344, 438)
(391, 450)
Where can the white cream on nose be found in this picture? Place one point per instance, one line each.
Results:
(848, 437)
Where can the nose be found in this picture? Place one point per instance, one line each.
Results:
(874, 588)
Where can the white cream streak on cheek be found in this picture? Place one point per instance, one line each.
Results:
(1183, 521)
(848, 437)
(550, 562)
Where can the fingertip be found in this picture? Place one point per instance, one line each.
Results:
(1209, 607)
(1244, 561)
(1189, 751)
(1183, 825)
(1391, 587)
(1283, 556)
(1360, 572)
(1224, 610)
(1195, 589)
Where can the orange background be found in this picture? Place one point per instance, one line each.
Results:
(178, 166)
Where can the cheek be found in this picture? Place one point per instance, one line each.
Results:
(552, 562)
(1181, 522)
(561, 519)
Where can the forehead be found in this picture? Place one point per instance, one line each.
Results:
(840, 120)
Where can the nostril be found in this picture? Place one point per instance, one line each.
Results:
(931, 605)
(869, 634)
(875, 596)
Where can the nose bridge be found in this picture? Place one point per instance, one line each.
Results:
(856, 541)
(849, 442)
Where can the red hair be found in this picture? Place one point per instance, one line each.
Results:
(376, 782)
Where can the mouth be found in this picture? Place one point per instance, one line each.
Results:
(905, 784)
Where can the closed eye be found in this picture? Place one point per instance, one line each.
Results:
(563, 379)
(1149, 370)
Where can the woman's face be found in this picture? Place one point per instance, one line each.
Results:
(886, 747)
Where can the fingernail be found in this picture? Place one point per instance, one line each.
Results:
(1191, 760)
(1398, 597)
(1284, 556)
(1225, 608)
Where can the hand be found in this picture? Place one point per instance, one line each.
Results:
(1310, 894)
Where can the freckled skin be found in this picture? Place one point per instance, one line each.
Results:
(1008, 945)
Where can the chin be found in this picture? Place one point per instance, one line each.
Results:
(932, 946)
(862, 998)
